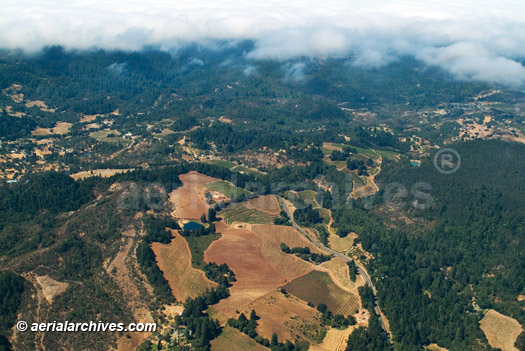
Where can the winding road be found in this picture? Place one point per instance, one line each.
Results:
(362, 271)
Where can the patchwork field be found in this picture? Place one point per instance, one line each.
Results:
(188, 200)
(501, 331)
(241, 250)
(317, 287)
(271, 237)
(174, 261)
(267, 203)
(288, 317)
(233, 340)
(338, 270)
(226, 188)
(243, 212)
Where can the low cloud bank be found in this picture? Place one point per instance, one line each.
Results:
(473, 40)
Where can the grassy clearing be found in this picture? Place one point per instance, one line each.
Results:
(244, 170)
(226, 188)
(197, 247)
(391, 155)
(501, 331)
(103, 134)
(221, 163)
(317, 287)
(325, 214)
(326, 152)
(357, 179)
(369, 153)
(239, 212)
(233, 340)
(109, 136)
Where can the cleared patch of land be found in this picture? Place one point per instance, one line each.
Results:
(221, 163)
(243, 212)
(271, 237)
(317, 287)
(188, 200)
(340, 274)
(335, 340)
(435, 347)
(341, 244)
(40, 104)
(501, 331)
(266, 203)
(246, 170)
(50, 287)
(308, 196)
(288, 317)
(104, 134)
(233, 340)
(241, 250)
(174, 261)
(104, 173)
(226, 188)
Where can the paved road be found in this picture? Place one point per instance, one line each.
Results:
(362, 271)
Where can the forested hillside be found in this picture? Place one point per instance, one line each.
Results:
(464, 255)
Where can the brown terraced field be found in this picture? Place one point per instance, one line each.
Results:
(317, 287)
(266, 203)
(241, 250)
(288, 317)
(188, 200)
(271, 237)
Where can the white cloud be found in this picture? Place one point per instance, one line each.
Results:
(294, 71)
(472, 39)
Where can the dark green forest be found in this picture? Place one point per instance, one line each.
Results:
(465, 254)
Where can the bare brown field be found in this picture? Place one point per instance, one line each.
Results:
(341, 244)
(104, 173)
(233, 340)
(174, 261)
(271, 237)
(188, 200)
(521, 297)
(241, 250)
(317, 287)
(288, 317)
(266, 203)
(501, 331)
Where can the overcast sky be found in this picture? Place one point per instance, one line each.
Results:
(483, 40)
